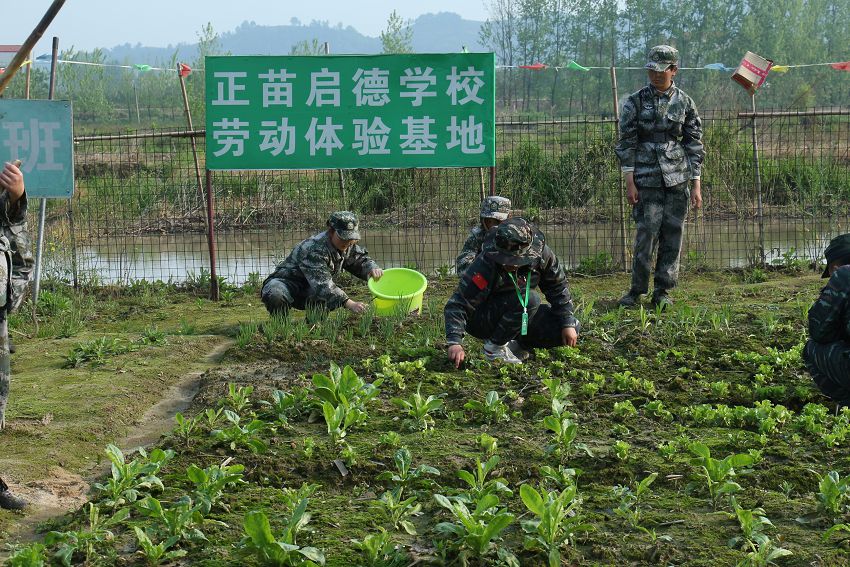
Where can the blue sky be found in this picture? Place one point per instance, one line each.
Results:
(87, 24)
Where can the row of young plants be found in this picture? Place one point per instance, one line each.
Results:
(478, 516)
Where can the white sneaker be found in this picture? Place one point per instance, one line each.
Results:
(518, 351)
(493, 352)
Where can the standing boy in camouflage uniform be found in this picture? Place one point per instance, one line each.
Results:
(493, 211)
(305, 278)
(827, 353)
(660, 150)
(494, 301)
(16, 264)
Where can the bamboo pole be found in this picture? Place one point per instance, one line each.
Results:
(211, 238)
(757, 181)
(622, 206)
(29, 44)
(192, 138)
(42, 208)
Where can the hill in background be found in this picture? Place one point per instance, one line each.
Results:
(432, 33)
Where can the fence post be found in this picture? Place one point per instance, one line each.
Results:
(482, 191)
(42, 204)
(492, 180)
(211, 237)
(623, 241)
(757, 171)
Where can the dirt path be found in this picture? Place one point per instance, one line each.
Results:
(62, 491)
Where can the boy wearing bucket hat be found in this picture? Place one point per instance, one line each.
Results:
(827, 353)
(494, 210)
(494, 300)
(660, 150)
(305, 277)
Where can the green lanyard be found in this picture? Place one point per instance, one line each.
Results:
(523, 302)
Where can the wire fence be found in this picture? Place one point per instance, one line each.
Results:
(140, 212)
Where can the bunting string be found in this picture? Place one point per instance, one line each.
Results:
(184, 69)
(573, 66)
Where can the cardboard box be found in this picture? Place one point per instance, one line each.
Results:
(752, 71)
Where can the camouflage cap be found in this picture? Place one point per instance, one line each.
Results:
(837, 251)
(345, 224)
(495, 207)
(515, 242)
(661, 57)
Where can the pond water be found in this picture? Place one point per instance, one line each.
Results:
(719, 244)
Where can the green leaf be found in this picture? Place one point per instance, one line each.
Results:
(408, 527)
(532, 499)
(313, 554)
(258, 529)
(496, 525)
(700, 450)
(443, 501)
(196, 475)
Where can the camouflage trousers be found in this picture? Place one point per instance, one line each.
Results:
(279, 296)
(5, 372)
(660, 217)
(829, 365)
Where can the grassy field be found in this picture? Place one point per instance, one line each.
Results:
(689, 437)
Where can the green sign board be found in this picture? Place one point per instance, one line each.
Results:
(350, 111)
(40, 133)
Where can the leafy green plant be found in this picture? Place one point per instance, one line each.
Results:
(630, 500)
(344, 387)
(97, 351)
(31, 555)
(474, 533)
(765, 554)
(557, 520)
(212, 416)
(561, 477)
(182, 519)
(343, 397)
(156, 554)
(488, 443)
(717, 473)
(211, 482)
(284, 406)
(378, 550)
(129, 480)
(491, 410)
(241, 435)
(185, 427)
(398, 511)
(564, 432)
(404, 476)
(87, 540)
(477, 482)
(752, 524)
(390, 438)
(621, 450)
(238, 397)
(832, 494)
(283, 551)
(419, 409)
(624, 409)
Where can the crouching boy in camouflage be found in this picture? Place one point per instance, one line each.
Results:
(305, 278)
(827, 353)
(660, 150)
(16, 265)
(494, 210)
(494, 301)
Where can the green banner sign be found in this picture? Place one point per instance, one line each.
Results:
(350, 111)
(40, 134)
